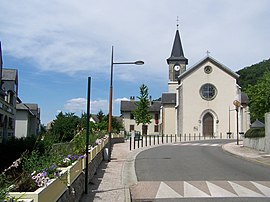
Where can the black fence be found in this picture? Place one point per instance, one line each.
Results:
(139, 140)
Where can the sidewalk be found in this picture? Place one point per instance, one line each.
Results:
(247, 153)
(112, 181)
(107, 184)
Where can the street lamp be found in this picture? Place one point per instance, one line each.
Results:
(237, 104)
(110, 99)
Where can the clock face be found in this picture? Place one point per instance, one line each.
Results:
(176, 67)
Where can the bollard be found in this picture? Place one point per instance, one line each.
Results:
(146, 140)
(142, 141)
(158, 140)
(162, 139)
(175, 138)
(180, 137)
(194, 136)
(134, 142)
(150, 140)
(166, 138)
(154, 139)
(130, 142)
(138, 142)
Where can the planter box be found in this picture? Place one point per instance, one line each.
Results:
(57, 187)
(51, 192)
(74, 171)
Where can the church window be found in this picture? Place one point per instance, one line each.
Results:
(208, 91)
(208, 69)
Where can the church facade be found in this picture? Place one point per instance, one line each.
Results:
(204, 99)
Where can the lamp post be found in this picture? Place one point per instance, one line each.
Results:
(110, 99)
(237, 104)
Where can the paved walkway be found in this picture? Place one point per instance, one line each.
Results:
(112, 181)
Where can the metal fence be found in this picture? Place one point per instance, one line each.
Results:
(138, 140)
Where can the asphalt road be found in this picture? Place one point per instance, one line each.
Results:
(165, 167)
(183, 163)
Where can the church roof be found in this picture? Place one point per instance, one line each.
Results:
(204, 60)
(177, 53)
(129, 106)
(168, 98)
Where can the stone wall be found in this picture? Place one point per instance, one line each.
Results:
(76, 190)
(255, 143)
(267, 132)
(263, 143)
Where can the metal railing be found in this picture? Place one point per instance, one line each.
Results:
(138, 141)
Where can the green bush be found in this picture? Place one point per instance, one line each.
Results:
(255, 132)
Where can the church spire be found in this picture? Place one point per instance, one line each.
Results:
(177, 54)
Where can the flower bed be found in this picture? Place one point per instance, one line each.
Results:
(52, 189)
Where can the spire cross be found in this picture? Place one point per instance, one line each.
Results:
(177, 23)
(207, 52)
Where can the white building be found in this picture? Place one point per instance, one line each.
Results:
(199, 99)
(27, 120)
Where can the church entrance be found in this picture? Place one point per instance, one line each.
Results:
(208, 125)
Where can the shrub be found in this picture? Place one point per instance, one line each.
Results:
(255, 132)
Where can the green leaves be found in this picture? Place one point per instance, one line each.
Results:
(142, 114)
(259, 96)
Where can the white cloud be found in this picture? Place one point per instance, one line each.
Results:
(78, 105)
(71, 37)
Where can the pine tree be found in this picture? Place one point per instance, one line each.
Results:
(142, 114)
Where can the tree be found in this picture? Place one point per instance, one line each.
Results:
(65, 126)
(259, 97)
(100, 115)
(141, 113)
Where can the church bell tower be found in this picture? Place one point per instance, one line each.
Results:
(177, 62)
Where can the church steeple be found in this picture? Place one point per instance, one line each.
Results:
(177, 62)
(177, 54)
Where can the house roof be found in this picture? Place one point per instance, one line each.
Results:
(257, 124)
(32, 108)
(168, 98)
(1, 59)
(128, 106)
(94, 117)
(177, 53)
(9, 74)
(204, 60)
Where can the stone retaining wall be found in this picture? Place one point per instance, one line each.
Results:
(255, 143)
(263, 143)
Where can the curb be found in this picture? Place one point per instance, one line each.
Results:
(245, 158)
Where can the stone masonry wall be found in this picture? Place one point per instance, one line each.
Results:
(263, 143)
(267, 132)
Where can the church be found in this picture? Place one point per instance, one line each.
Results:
(203, 99)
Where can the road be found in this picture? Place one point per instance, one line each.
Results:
(198, 171)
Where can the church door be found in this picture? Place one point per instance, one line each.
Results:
(208, 125)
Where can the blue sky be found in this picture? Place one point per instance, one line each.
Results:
(56, 45)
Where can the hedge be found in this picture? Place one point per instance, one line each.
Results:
(255, 132)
